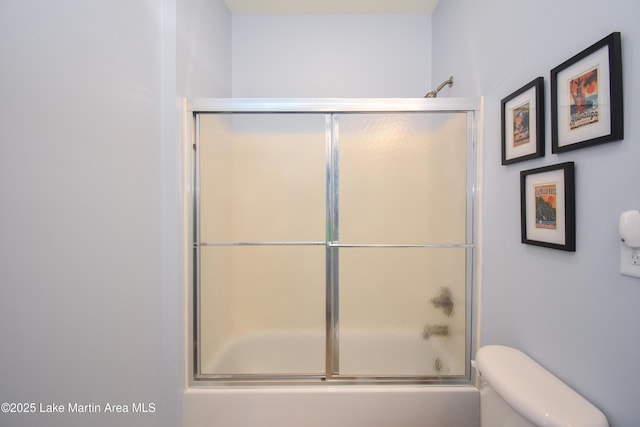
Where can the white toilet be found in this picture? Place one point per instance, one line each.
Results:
(515, 391)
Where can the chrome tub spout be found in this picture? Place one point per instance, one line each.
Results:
(437, 330)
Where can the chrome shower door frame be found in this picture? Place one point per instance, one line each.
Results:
(470, 106)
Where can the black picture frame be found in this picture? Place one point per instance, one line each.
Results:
(522, 115)
(547, 205)
(586, 97)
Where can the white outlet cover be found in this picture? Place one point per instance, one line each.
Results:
(627, 267)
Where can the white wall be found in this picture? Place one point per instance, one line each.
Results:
(203, 69)
(91, 280)
(573, 312)
(80, 234)
(203, 49)
(297, 56)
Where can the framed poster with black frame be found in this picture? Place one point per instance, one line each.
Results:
(523, 123)
(547, 203)
(586, 97)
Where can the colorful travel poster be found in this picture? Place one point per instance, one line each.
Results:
(584, 99)
(521, 125)
(546, 205)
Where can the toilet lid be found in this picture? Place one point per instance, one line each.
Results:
(535, 393)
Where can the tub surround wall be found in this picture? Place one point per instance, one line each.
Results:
(572, 312)
(331, 56)
(203, 48)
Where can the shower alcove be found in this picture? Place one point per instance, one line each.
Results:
(333, 240)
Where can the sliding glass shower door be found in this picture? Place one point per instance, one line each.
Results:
(261, 244)
(333, 245)
(402, 238)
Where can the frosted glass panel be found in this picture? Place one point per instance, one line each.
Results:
(262, 177)
(403, 178)
(347, 221)
(389, 324)
(262, 310)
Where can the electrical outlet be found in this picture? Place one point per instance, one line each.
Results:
(629, 261)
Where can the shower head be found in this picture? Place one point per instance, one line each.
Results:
(434, 92)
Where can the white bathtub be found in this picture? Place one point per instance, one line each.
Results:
(325, 405)
(361, 353)
(339, 406)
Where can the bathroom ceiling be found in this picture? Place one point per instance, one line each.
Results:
(303, 7)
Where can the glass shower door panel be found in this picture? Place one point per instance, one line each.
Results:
(402, 244)
(262, 310)
(261, 243)
(390, 321)
(262, 177)
(403, 178)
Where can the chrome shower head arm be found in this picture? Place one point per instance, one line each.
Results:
(434, 92)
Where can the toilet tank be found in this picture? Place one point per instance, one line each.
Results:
(516, 391)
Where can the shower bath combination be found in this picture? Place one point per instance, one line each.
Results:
(340, 298)
(317, 271)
